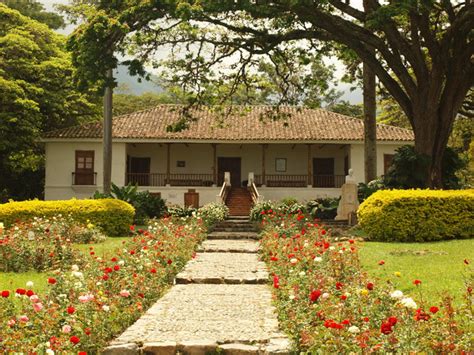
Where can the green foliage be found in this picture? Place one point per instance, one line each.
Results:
(213, 212)
(418, 215)
(114, 217)
(288, 205)
(409, 169)
(36, 95)
(365, 190)
(146, 205)
(128, 103)
(346, 108)
(323, 208)
(35, 10)
(182, 211)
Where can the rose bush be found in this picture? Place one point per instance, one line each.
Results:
(328, 304)
(90, 302)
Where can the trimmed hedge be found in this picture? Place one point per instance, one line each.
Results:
(113, 216)
(418, 215)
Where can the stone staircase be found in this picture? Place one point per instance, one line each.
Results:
(239, 201)
(221, 303)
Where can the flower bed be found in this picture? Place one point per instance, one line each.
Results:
(89, 302)
(327, 304)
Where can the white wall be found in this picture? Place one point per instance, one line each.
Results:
(302, 194)
(60, 164)
(356, 158)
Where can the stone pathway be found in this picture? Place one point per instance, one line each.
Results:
(221, 303)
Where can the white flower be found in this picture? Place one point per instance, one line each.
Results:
(31, 235)
(302, 273)
(293, 261)
(105, 308)
(292, 297)
(1, 225)
(353, 330)
(49, 352)
(318, 259)
(121, 263)
(409, 303)
(75, 268)
(325, 295)
(30, 284)
(332, 248)
(77, 274)
(397, 294)
(341, 251)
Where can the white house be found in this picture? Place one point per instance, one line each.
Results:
(304, 154)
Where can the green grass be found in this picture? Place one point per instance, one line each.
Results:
(439, 265)
(12, 281)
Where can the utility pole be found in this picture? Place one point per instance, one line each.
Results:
(107, 136)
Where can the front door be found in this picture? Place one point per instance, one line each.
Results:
(231, 165)
(139, 171)
(323, 172)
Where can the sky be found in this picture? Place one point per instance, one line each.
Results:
(354, 97)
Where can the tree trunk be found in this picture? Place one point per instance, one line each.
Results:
(431, 139)
(107, 136)
(370, 125)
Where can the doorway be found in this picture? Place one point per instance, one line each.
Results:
(323, 172)
(139, 171)
(232, 165)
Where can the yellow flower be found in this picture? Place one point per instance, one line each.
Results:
(90, 226)
(397, 273)
(364, 292)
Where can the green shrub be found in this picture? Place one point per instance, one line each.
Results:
(114, 217)
(287, 206)
(146, 205)
(323, 208)
(181, 211)
(365, 190)
(213, 212)
(418, 215)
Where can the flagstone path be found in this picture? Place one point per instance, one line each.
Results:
(221, 303)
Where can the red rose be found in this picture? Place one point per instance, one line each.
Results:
(370, 286)
(51, 280)
(323, 232)
(116, 268)
(87, 331)
(392, 320)
(30, 293)
(314, 295)
(5, 293)
(105, 277)
(365, 319)
(339, 285)
(346, 322)
(381, 262)
(132, 228)
(386, 328)
(276, 281)
(81, 353)
(108, 270)
(70, 310)
(21, 291)
(74, 339)
(132, 252)
(434, 309)
(153, 271)
(416, 282)
(169, 261)
(343, 297)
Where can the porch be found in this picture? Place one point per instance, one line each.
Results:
(203, 165)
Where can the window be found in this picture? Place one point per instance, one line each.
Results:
(280, 165)
(387, 162)
(84, 170)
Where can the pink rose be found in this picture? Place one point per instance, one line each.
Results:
(37, 306)
(124, 293)
(24, 319)
(66, 328)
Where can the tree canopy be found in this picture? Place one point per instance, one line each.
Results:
(35, 10)
(36, 94)
(421, 51)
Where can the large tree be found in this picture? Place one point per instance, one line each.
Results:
(421, 51)
(35, 10)
(36, 94)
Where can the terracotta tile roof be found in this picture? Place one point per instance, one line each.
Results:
(250, 123)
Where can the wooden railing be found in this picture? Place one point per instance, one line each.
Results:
(254, 193)
(222, 197)
(279, 180)
(159, 179)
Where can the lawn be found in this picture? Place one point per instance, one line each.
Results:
(12, 281)
(439, 265)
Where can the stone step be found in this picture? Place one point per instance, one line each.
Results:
(232, 217)
(201, 319)
(234, 229)
(233, 235)
(224, 268)
(229, 246)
